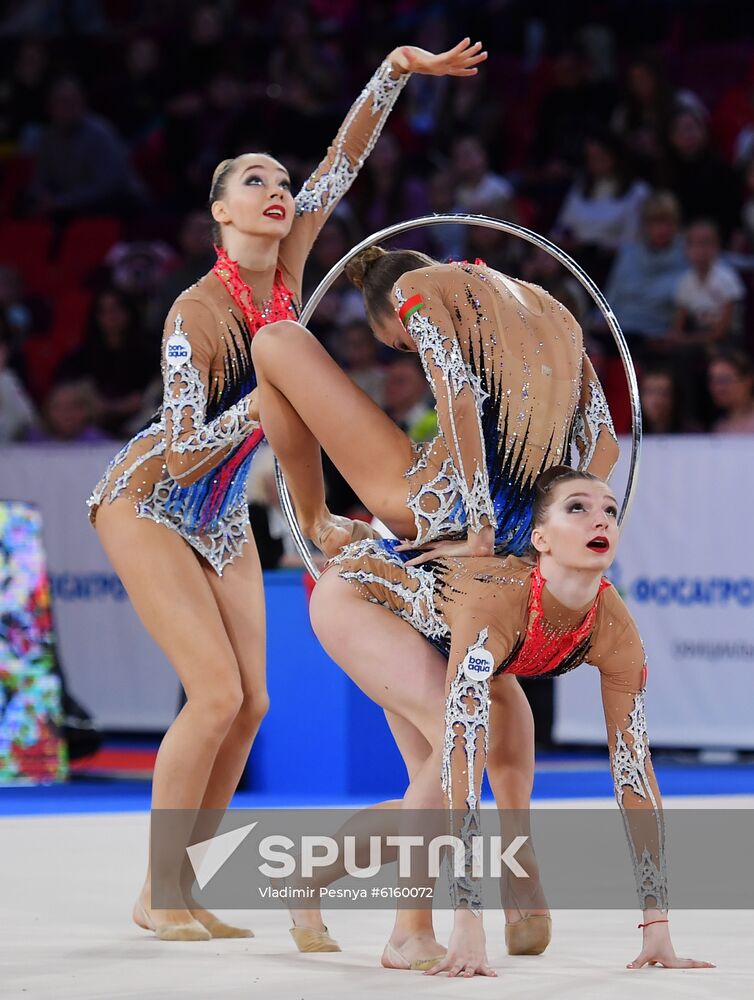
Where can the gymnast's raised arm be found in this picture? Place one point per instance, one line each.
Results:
(358, 134)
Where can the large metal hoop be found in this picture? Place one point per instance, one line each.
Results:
(513, 230)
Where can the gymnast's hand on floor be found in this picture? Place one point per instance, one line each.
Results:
(467, 952)
(461, 60)
(657, 949)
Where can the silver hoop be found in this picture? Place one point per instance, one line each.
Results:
(513, 230)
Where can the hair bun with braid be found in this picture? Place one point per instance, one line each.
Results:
(356, 270)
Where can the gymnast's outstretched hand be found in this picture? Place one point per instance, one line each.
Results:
(461, 60)
(657, 949)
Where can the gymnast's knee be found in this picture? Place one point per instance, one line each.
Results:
(252, 711)
(270, 340)
(215, 711)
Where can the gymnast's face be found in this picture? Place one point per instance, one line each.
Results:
(257, 198)
(580, 528)
(389, 330)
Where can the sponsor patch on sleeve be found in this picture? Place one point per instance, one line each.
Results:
(478, 664)
(178, 348)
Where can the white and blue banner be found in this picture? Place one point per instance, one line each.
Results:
(685, 568)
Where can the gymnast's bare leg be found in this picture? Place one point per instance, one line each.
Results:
(373, 646)
(211, 628)
(320, 405)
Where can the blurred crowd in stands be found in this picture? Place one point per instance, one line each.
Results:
(623, 131)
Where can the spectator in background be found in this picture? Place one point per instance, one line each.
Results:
(497, 249)
(602, 209)
(709, 294)
(662, 409)
(570, 111)
(138, 92)
(733, 118)
(745, 232)
(307, 78)
(358, 352)
(388, 193)
(196, 258)
(407, 399)
(642, 119)
(731, 385)
(81, 165)
(23, 101)
(69, 416)
(201, 52)
(705, 186)
(342, 302)
(474, 182)
(16, 318)
(114, 359)
(444, 242)
(641, 285)
(218, 125)
(17, 415)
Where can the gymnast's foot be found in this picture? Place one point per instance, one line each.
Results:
(333, 532)
(168, 925)
(417, 952)
(309, 918)
(528, 931)
(218, 928)
(309, 932)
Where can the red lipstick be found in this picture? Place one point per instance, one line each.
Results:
(598, 544)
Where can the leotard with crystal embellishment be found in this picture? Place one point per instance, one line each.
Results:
(188, 468)
(514, 389)
(492, 616)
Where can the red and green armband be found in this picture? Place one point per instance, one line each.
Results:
(409, 307)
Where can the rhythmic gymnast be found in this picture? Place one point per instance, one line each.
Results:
(514, 388)
(171, 509)
(496, 619)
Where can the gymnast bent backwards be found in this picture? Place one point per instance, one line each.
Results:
(171, 510)
(500, 618)
(514, 389)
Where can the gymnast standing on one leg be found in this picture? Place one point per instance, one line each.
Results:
(171, 510)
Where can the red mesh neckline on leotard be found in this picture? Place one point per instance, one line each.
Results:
(278, 307)
(543, 649)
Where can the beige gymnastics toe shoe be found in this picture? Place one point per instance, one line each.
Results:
(190, 930)
(392, 958)
(529, 935)
(219, 929)
(308, 939)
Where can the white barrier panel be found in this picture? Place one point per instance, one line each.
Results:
(686, 571)
(110, 662)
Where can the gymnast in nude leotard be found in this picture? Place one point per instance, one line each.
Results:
(171, 509)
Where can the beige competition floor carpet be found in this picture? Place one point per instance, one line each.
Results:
(67, 884)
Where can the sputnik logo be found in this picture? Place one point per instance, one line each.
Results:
(208, 856)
